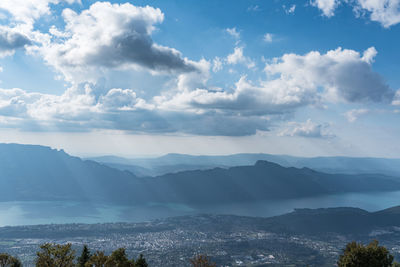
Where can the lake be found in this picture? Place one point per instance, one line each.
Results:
(45, 212)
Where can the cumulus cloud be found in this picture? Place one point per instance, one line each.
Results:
(28, 11)
(10, 40)
(306, 129)
(80, 109)
(111, 36)
(294, 81)
(326, 6)
(195, 79)
(354, 114)
(192, 106)
(217, 64)
(237, 57)
(78, 105)
(386, 12)
(233, 32)
(269, 97)
(342, 73)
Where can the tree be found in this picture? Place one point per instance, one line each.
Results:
(118, 258)
(7, 260)
(98, 259)
(85, 256)
(202, 261)
(358, 255)
(141, 262)
(52, 255)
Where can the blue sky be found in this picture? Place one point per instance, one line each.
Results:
(132, 78)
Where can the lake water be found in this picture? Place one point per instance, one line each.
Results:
(28, 213)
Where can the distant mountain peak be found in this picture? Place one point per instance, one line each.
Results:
(267, 163)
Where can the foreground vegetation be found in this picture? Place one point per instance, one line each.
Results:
(55, 255)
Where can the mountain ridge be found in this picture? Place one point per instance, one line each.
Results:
(181, 162)
(40, 173)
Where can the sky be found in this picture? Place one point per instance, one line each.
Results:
(139, 78)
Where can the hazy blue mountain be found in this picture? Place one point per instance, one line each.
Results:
(335, 220)
(181, 162)
(264, 180)
(29, 172)
(40, 173)
(170, 163)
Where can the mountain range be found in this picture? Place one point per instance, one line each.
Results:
(29, 173)
(181, 162)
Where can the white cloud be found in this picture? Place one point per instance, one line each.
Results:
(27, 11)
(194, 79)
(237, 57)
(110, 36)
(254, 8)
(78, 108)
(217, 64)
(289, 10)
(354, 114)
(369, 55)
(270, 97)
(306, 129)
(294, 81)
(396, 98)
(386, 12)
(326, 6)
(268, 37)
(192, 106)
(122, 99)
(233, 32)
(343, 74)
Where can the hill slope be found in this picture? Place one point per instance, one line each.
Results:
(29, 172)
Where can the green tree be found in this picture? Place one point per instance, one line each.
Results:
(98, 259)
(7, 260)
(52, 255)
(202, 261)
(85, 256)
(141, 262)
(358, 255)
(118, 258)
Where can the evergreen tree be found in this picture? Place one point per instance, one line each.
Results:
(118, 258)
(85, 256)
(98, 259)
(52, 255)
(7, 260)
(141, 262)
